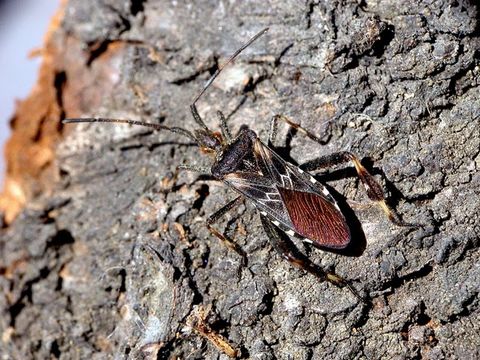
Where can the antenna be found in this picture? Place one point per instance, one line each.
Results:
(193, 107)
(177, 130)
(232, 57)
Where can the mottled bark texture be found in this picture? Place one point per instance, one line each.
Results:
(113, 257)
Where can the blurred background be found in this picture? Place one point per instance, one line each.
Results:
(23, 24)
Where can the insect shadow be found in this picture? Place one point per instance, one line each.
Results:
(358, 242)
(289, 199)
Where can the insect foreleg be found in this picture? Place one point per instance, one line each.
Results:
(284, 246)
(216, 216)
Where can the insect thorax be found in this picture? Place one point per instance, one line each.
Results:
(236, 156)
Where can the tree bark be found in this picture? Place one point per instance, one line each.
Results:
(111, 258)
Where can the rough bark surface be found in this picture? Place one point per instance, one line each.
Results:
(116, 260)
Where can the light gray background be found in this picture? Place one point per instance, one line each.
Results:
(22, 27)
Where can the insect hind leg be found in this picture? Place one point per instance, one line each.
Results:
(212, 219)
(284, 246)
(373, 188)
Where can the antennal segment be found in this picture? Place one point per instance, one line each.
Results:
(157, 127)
(235, 54)
(193, 107)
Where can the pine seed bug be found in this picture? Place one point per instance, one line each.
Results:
(289, 200)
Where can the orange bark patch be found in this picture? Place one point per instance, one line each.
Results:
(66, 86)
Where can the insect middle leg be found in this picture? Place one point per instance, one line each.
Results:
(274, 125)
(216, 216)
(285, 247)
(373, 188)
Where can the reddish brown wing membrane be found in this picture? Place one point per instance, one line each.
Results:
(316, 218)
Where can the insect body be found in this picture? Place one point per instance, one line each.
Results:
(285, 194)
(289, 199)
